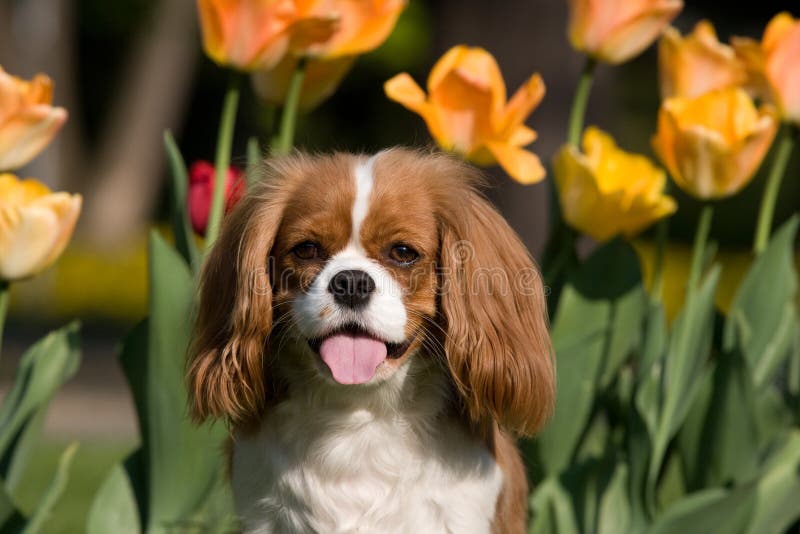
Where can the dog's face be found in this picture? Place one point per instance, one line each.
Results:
(355, 259)
(363, 264)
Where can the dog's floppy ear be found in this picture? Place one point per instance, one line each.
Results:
(227, 361)
(494, 313)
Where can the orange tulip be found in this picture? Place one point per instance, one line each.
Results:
(774, 64)
(35, 226)
(467, 113)
(246, 34)
(712, 145)
(360, 26)
(28, 121)
(696, 64)
(257, 34)
(614, 31)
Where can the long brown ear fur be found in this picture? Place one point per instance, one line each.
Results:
(494, 312)
(227, 372)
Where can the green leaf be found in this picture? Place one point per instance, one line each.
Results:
(114, 507)
(11, 519)
(596, 327)
(181, 226)
(670, 385)
(42, 370)
(551, 510)
(180, 462)
(727, 446)
(53, 492)
(615, 509)
(763, 315)
(712, 510)
(777, 490)
(766, 506)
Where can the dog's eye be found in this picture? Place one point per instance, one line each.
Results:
(403, 254)
(307, 250)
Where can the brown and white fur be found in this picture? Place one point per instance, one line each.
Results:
(425, 445)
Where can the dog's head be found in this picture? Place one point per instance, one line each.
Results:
(353, 267)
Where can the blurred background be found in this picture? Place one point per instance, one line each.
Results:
(129, 69)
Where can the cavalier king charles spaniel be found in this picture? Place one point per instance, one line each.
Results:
(375, 334)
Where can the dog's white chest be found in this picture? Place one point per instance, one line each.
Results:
(350, 471)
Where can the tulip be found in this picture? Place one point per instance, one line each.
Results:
(467, 113)
(35, 226)
(257, 34)
(201, 189)
(713, 144)
(774, 64)
(28, 121)
(605, 191)
(321, 79)
(696, 64)
(614, 31)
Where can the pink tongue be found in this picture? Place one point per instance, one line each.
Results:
(352, 359)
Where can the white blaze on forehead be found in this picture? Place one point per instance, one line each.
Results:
(364, 178)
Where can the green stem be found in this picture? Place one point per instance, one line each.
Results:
(786, 140)
(222, 161)
(657, 287)
(285, 139)
(4, 290)
(579, 103)
(699, 249)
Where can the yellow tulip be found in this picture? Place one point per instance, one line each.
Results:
(467, 113)
(321, 79)
(696, 64)
(257, 34)
(35, 226)
(713, 144)
(28, 121)
(605, 191)
(614, 31)
(774, 64)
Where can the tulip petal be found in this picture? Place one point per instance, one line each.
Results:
(363, 26)
(522, 104)
(403, 89)
(522, 136)
(631, 36)
(25, 135)
(33, 236)
(777, 30)
(696, 64)
(475, 67)
(783, 70)
(522, 165)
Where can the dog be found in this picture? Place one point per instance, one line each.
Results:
(376, 335)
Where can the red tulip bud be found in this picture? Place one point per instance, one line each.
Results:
(201, 190)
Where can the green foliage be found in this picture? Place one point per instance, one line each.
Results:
(172, 483)
(688, 428)
(42, 370)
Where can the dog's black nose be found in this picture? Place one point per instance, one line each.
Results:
(351, 288)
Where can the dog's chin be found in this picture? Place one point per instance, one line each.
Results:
(351, 355)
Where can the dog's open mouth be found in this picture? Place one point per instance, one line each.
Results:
(353, 354)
